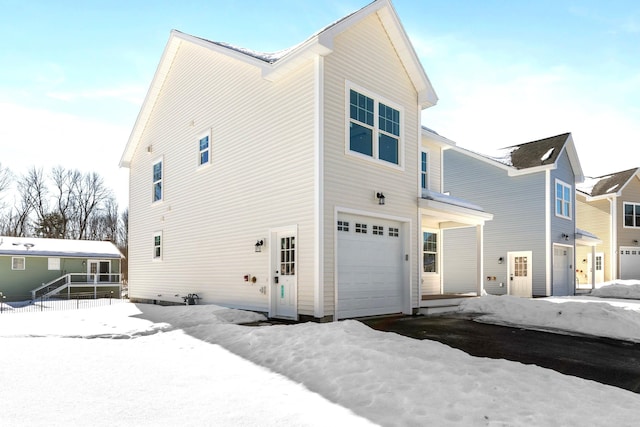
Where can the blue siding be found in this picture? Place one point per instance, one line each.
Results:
(518, 206)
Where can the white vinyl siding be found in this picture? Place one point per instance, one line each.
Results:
(365, 58)
(211, 217)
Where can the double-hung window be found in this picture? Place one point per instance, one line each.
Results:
(430, 252)
(157, 246)
(157, 181)
(374, 128)
(563, 199)
(424, 177)
(204, 147)
(632, 215)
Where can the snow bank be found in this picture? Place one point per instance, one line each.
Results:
(579, 315)
(627, 289)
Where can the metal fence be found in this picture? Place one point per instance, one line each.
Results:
(76, 301)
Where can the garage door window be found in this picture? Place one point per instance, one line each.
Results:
(361, 228)
(430, 252)
(394, 232)
(378, 230)
(343, 225)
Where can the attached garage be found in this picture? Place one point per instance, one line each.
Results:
(371, 277)
(630, 262)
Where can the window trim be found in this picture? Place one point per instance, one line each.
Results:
(624, 223)
(424, 173)
(555, 199)
(436, 253)
(376, 131)
(205, 134)
(13, 263)
(160, 246)
(160, 181)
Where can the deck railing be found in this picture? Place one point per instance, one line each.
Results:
(78, 280)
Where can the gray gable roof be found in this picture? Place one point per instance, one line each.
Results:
(537, 153)
(612, 183)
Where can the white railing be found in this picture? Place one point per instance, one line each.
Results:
(78, 280)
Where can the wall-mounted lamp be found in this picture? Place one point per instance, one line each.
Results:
(635, 242)
(380, 197)
(259, 245)
(565, 236)
(584, 260)
(500, 260)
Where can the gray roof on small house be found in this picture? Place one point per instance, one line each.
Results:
(609, 184)
(537, 153)
(63, 248)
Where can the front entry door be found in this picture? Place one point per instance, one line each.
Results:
(98, 271)
(599, 266)
(285, 276)
(520, 280)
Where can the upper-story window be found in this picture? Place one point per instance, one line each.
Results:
(631, 214)
(157, 181)
(424, 167)
(374, 128)
(204, 147)
(563, 199)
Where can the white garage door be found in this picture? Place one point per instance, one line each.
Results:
(629, 262)
(370, 266)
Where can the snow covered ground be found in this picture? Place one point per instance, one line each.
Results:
(143, 365)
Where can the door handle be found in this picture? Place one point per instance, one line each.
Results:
(275, 280)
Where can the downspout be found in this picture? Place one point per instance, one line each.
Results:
(547, 232)
(614, 238)
(318, 187)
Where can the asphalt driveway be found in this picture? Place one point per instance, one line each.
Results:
(607, 361)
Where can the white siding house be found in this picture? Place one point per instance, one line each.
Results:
(288, 184)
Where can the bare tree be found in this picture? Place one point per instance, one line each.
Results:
(66, 184)
(5, 178)
(33, 190)
(91, 194)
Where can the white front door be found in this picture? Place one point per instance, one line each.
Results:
(285, 266)
(599, 266)
(520, 280)
(561, 269)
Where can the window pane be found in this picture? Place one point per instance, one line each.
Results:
(157, 171)
(157, 191)
(423, 169)
(361, 139)
(361, 107)
(204, 157)
(204, 143)
(388, 149)
(389, 119)
(429, 261)
(430, 242)
(559, 207)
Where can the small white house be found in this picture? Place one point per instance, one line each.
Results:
(286, 183)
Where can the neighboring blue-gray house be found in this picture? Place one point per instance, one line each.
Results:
(529, 247)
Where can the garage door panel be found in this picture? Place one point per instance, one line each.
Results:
(370, 275)
(629, 262)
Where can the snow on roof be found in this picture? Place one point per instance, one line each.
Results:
(547, 155)
(34, 246)
(445, 198)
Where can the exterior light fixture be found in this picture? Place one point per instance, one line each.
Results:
(565, 236)
(380, 197)
(259, 245)
(500, 260)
